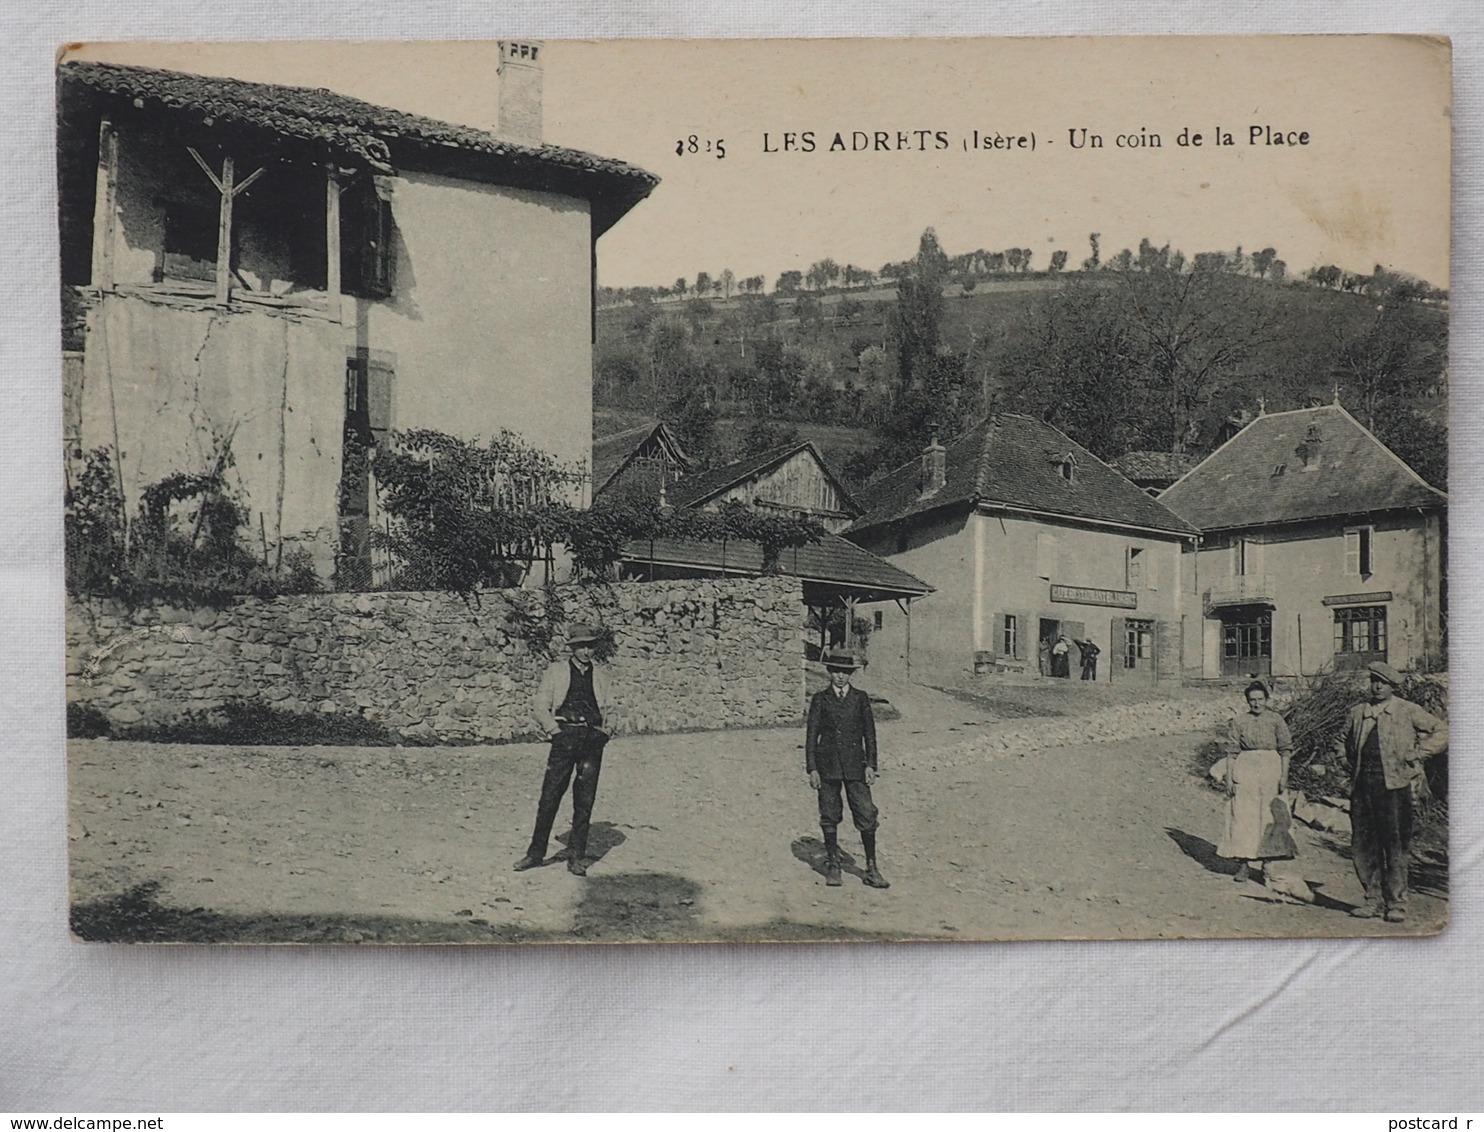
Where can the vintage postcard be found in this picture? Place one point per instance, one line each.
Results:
(756, 490)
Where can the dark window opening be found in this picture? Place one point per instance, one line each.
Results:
(191, 235)
(1358, 547)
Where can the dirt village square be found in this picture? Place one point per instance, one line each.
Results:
(705, 836)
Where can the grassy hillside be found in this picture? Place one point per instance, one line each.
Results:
(826, 360)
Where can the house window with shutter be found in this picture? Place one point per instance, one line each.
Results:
(1358, 546)
(367, 239)
(1138, 642)
(1246, 558)
(1134, 573)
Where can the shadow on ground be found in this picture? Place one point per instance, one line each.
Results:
(1427, 874)
(602, 838)
(1201, 851)
(810, 850)
(618, 908)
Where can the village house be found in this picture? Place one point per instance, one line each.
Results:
(646, 458)
(276, 277)
(793, 481)
(789, 479)
(1026, 537)
(1320, 549)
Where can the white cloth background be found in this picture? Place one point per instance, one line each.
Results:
(1380, 1025)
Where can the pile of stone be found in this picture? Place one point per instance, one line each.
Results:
(1024, 737)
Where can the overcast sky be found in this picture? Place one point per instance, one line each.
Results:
(1370, 187)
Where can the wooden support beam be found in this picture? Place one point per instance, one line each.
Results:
(224, 235)
(205, 168)
(332, 242)
(105, 206)
(229, 191)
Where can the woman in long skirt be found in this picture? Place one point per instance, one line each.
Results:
(1256, 776)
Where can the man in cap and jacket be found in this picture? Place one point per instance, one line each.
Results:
(572, 704)
(840, 751)
(1384, 742)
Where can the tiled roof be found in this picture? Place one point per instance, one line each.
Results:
(1168, 466)
(1240, 485)
(1013, 461)
(381, 137)
(698, 489)
(831, 563)
(612, 453)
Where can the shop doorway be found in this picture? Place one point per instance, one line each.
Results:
(1060, 660)
(1247, 641)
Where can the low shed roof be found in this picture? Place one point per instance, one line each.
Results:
(830, 568)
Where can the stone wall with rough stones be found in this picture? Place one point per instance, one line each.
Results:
(429, 667)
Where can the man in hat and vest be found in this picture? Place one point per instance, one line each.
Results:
(571, 708)
(840, 751)
(1384, 742)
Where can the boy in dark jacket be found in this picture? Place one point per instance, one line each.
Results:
(840, 750)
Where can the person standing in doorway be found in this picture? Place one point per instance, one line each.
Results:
(1089, 659)
(1061, 657)
(1384, 743)
(572, 704)
(840, 752)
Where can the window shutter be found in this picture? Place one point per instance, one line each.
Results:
(1045, 554)
(1025, 635)
(1151, 570)
(1166, 649)
(1117, 644)
(380, 379)
(367, 241)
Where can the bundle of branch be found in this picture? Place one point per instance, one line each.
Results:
(1316, 717)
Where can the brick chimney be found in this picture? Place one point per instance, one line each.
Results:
(1313, 447)
(934, 467)
(520, 72)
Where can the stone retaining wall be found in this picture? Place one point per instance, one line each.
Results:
(430, 667)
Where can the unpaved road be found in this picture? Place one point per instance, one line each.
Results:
(701, 836)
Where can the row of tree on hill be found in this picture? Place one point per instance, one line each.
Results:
(1148, 349)
(968, 268)
(825, 275)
